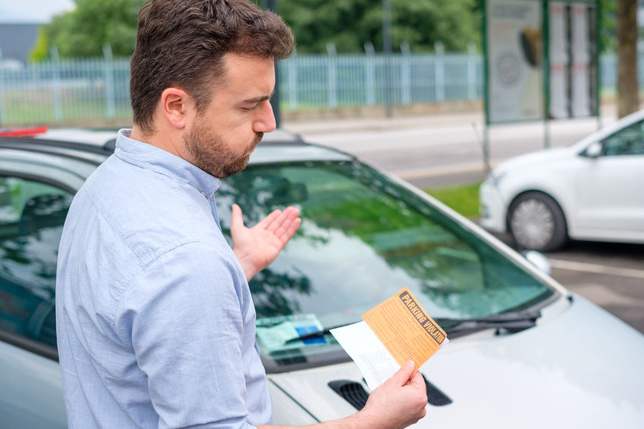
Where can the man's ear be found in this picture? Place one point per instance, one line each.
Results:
(176, 106)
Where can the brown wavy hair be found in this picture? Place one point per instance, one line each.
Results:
(182, 43)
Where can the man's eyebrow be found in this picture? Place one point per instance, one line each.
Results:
(257, 99)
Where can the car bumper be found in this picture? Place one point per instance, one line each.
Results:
(492, 208)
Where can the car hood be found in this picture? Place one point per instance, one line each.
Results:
(579, 369)
(536, 159)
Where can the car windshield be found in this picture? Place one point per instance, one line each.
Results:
(363, 237)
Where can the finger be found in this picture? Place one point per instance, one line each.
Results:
(417, 379)
(403, 375)
(269, 220)
(422, 414)
(280, 223)
(294, 226)
(288, 227)
(237, 219)
(292, 212)
(290, 230)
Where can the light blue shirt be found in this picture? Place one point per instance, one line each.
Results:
(155, 322)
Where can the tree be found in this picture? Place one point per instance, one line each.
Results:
(627, 85)
(349, 24)
(93, 23)
(607, 37)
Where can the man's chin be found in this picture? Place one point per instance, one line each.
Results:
(234, 168)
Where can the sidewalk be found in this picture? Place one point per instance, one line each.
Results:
(341, 125)
(433, 120)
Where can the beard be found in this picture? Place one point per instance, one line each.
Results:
(210, 152)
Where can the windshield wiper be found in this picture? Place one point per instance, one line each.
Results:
(511, 322)
(316, 334)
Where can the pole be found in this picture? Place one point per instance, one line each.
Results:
(56, 84)
(486, 88)
(108, 70)
(597, 49)
(545, 19)
(386, 48)
(3, 101)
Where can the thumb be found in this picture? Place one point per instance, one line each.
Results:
(237, 220)
(402, 376)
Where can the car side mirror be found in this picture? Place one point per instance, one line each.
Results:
(538, 259)
(594, 150)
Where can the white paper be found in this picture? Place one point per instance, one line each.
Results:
(366, 350)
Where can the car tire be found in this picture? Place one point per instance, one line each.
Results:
(536, 222)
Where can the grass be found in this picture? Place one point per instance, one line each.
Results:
(463, 199)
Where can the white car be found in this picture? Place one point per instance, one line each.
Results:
(591, 190)
(524, 352)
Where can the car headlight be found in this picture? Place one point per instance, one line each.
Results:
(496, 176)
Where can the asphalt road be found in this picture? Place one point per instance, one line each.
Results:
(445, 150)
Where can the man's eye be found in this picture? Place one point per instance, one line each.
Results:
(249, 108)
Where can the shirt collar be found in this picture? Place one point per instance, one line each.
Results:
(163, 162)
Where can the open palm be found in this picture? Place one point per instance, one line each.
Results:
(258, 246)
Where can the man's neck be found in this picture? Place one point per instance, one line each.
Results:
(160, 139)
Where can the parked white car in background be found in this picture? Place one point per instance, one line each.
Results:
(591, 190)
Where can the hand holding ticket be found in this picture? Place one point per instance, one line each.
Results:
(394, 332)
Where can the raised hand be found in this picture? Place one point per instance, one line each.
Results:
(257, 247)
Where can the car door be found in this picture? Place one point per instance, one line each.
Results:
(610, 198)
(32, 214)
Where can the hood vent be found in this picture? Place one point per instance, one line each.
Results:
(355, 394)
(435, 396)
(351, 391)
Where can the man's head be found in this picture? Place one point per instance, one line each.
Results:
(182, 43)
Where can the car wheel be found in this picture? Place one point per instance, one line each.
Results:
(537, 222)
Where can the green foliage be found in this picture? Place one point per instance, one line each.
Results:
(93, 23)
(608, 33)
(40, 51)
(462, 199)
(349, 24)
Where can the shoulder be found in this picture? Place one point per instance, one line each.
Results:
(151, 213)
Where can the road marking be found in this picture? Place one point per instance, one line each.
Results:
(595, 268)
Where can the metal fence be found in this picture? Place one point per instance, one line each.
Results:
(95, 91)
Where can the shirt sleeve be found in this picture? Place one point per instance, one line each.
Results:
(187, 319)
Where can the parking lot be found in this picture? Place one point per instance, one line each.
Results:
(608, 274)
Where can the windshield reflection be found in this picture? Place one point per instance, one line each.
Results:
(363, 238)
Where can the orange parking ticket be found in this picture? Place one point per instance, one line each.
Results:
(405, 329)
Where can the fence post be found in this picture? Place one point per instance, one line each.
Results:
(292, 80)
(439, 71)
(332, 85)
(108, 72)
(3, 101)
(471, 71)
(405, 73)
(370, 73)
(56, 83)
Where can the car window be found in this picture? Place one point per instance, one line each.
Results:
(31, 220)
(363, 237)
(628, 141)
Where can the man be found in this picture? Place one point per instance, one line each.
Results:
(156, 326)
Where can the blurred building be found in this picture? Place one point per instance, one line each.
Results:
(17, 39)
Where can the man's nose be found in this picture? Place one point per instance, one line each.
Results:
(265, 123)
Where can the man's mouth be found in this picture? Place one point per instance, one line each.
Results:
(258, 139)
